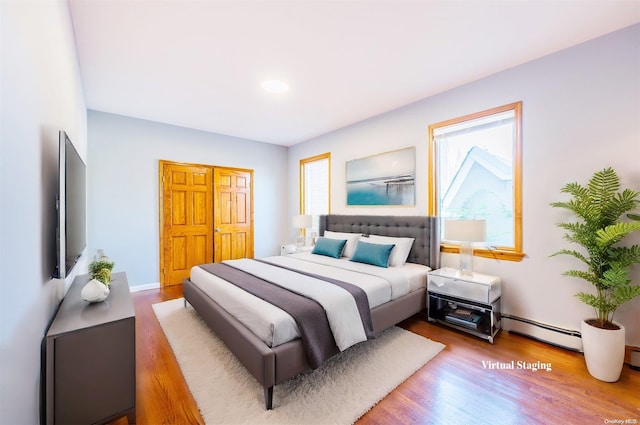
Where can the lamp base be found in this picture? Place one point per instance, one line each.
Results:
(300, 241)
(466, 259)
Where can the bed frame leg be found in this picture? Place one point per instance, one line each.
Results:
(268, 398)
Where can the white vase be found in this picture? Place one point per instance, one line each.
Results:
(603, 351)
(94, 291)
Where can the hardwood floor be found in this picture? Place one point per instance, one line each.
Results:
(456, 387)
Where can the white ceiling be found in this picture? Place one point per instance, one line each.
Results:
(199, 64)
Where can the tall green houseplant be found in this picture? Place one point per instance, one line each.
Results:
(600, 208)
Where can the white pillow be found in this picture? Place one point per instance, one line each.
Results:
(399, 253)
(352, 241)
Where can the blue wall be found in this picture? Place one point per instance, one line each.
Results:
(123, 186)
(581, 113)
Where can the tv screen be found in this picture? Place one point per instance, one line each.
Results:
(72, 215)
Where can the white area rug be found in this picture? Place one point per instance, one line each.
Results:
(339, 392)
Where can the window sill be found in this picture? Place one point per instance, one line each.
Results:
(497, 254)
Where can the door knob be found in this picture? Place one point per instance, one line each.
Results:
(218, 229)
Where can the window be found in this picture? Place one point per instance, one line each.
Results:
(315, 184)
(476, 173)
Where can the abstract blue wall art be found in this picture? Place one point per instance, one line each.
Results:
(386, 179)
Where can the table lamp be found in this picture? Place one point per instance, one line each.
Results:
(465, 232)
(301, 222)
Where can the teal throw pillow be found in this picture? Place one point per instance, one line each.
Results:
(372, 253)
(329, 247)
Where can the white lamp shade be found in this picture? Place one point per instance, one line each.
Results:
(302, 221)
(465, 230)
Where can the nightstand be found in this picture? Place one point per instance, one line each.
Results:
(467, 302)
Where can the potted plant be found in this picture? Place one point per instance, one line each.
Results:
(100, 269)
(98, 287)
(600, 229)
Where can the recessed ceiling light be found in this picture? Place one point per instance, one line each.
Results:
(275, 86)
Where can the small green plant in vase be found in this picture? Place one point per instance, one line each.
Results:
(100, 269)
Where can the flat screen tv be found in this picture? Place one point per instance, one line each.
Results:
(71, 205)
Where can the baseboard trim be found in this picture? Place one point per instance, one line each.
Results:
(568, 339)
(554, 335)
(146, 287)
(632, 357)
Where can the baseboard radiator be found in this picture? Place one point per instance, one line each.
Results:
(565, 338)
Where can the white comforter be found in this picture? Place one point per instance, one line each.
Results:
(274, 326)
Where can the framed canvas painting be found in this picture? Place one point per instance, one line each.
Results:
(386, 179)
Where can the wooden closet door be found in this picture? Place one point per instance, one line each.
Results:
(233, 213)
(186, 228)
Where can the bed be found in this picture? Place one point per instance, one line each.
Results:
(272, 365)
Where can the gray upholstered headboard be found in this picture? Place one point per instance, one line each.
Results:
(425, 230)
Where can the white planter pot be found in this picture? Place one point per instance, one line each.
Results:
(94, 291)
(603, 351)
